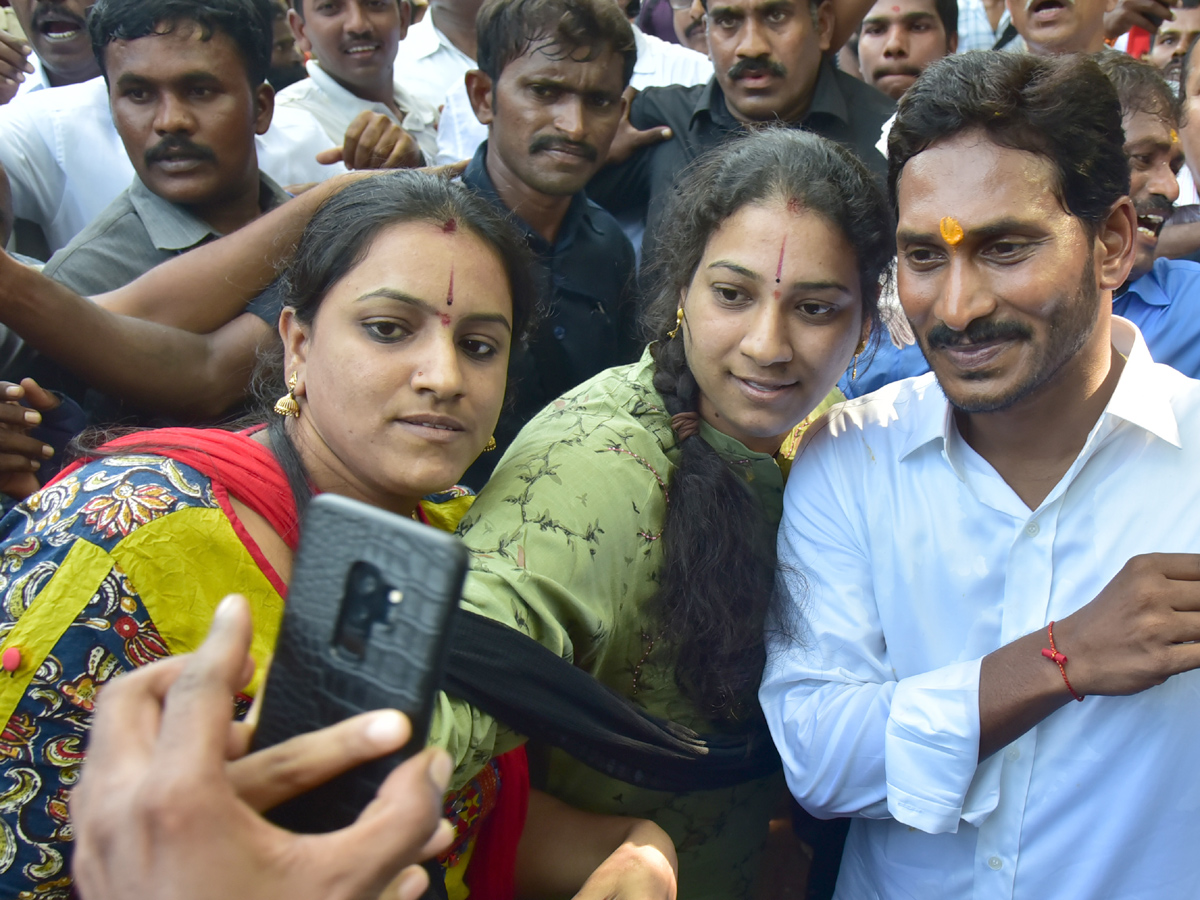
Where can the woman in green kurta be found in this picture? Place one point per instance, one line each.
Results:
(630, 528)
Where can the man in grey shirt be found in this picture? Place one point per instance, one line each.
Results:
(188, 97)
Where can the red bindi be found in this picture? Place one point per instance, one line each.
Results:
(445, 319)
(779, 268)
(451, 226)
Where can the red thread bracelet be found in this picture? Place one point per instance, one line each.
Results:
(1051, 653)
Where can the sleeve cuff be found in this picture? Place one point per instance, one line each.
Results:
(931, 747)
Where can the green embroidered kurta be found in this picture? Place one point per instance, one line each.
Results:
(565, 546)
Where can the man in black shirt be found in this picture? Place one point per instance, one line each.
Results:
(549, 84)
(770, 69)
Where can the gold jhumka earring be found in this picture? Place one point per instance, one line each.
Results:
(287, 405)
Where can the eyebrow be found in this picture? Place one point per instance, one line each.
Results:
(908, 18)
(993, 229)
(401, 297)
(802, 285)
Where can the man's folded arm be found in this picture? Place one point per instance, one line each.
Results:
(856, 740)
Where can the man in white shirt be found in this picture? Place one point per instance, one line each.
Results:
(659, 63)
(66, 162)
(439, 50)
(354, 44)
(964, 549)
(57, 34)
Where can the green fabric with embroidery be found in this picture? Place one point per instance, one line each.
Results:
(565, 544)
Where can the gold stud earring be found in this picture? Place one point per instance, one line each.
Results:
(287, 405)
(678, 322)
(490, 445)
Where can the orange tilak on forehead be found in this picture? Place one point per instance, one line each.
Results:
(1174, 136)
(952, 231)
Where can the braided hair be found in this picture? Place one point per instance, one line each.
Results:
(717, 582)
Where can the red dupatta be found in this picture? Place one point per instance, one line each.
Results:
(237, 465)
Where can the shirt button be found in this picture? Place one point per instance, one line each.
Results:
(1012, 754)
(560, 332)
(995, 862)
(1032, 529)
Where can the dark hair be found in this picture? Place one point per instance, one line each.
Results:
(1061, 108)
(1140, 87)
(717, 582)
(509, 29)
(947, 11)
(341, 234)
(248, 22)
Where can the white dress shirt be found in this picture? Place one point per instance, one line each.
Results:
(66, 162)
(659, 63)
(38, 81)
(911, 560)
(335, 108)
(428, 65)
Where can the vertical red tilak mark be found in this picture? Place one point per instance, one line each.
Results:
(450, 290)
(779, 268)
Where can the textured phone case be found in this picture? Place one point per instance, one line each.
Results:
(310, 685)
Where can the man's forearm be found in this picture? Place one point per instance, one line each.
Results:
(153, 366)
(205, 288)
(1018, 688)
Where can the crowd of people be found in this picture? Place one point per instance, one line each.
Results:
(808, 381)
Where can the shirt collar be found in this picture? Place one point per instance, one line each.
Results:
(329, 86)
(172, 228)
(1139, 399)
(477, 178)
(827, 99)
(1149, 289)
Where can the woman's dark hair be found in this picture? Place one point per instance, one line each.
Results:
(717, 582)
(574, 29)
(1061, 108)
(248, 22)
(339, 237)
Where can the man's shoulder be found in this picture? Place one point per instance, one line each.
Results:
(1177, 277)
(883, 423)
(117, 223)
(607, 237)
(298, 94)
(670, 105)
(863, 102)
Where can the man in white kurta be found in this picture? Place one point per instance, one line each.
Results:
(928, 544)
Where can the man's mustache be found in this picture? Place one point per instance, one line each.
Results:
(1029, 4)
(54, 12)
(981, 331)
(1156, 205)
(744, 67)
(549, 142)
(177, 147)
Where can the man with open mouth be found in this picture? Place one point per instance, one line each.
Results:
(57, 32)
(1051, 27)
(1160, 294)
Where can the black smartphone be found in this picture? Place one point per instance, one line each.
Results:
(366, 626)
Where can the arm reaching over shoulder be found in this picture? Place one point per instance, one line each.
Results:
(158, 815)
(153, 366)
